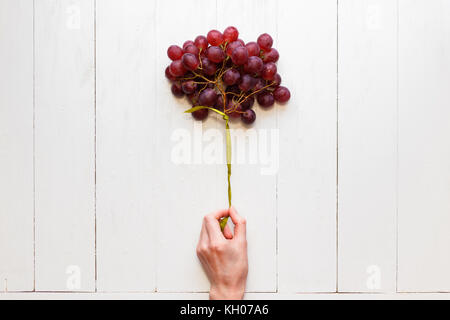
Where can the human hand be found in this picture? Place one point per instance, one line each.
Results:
(224, 255)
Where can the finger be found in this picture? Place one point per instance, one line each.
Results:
(227, 232)
(240, 225)
(221, 214)
(203, 235)
(212, 226)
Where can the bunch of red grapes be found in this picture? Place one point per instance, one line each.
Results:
(223, 72)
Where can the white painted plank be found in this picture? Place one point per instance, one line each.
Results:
(254, 184)
(65, 154)
(424, 149)
(184, 192)
(126, 239)
(367, 145)
(307, 177)
(16, 145)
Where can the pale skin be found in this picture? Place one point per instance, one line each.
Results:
(224, 255)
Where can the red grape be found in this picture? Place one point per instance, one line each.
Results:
(192, 49)
(276, 80)
(201, 42)
(201, 114)
(248, 103)
(282, 94)
(253, 49)
(189, 87)
(176, 89)
(254, 65)
(219, 103)
(260, 83)
(266, 99)
(208, 97)
(190, 61)
(230, 34)
(188, 43)
(174, 52)
(215, 38)
(271, 56)
(209, 68)
(234, 109)
(177, 69)
(169, 76)
(233, 46)
(269, 71)
(215, 54)
(231, 77)
(247, 83)
(265, 41)
(249, 116)
(240, 56)
(241, 42)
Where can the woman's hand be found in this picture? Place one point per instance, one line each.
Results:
(224, 255)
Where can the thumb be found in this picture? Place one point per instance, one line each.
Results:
(227, 232)
(240, 224)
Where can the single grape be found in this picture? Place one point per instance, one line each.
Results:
(177, 90)
(247, 83)
(282, 94)
(260, 83)
(174, 52)
(215, 54)
(266, 99)
(265, 42)
(254, 65)
(189, 87)
(248, 117)
(190, 61)
(177, 69)
(248, 102)
(201, 43)
(233, 46)
(219, 103)
(231, 77)
(209, 68)
(193, 98)
(271, 56)
(169, 76)
(215, 38)
(188, 43)
(201, 114)
(269, 71)
(230, 34)
(253, 49)
(240, 56)
(234, 109)
(276, 80)
(192, 49)
(208, 97)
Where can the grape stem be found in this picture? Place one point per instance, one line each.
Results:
(240, 99)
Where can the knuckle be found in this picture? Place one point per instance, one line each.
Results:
(216, 247)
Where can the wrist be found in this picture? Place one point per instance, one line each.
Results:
(226, 293)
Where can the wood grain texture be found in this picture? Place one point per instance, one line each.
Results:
(65, 153)
(126, 239)
(307, 176)
(16, 145)
(184, 190)
(254, 184)
(367, 145)
(424, 149)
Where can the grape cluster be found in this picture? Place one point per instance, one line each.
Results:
(223, 72)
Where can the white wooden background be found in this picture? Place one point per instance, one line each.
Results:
(361, 200)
